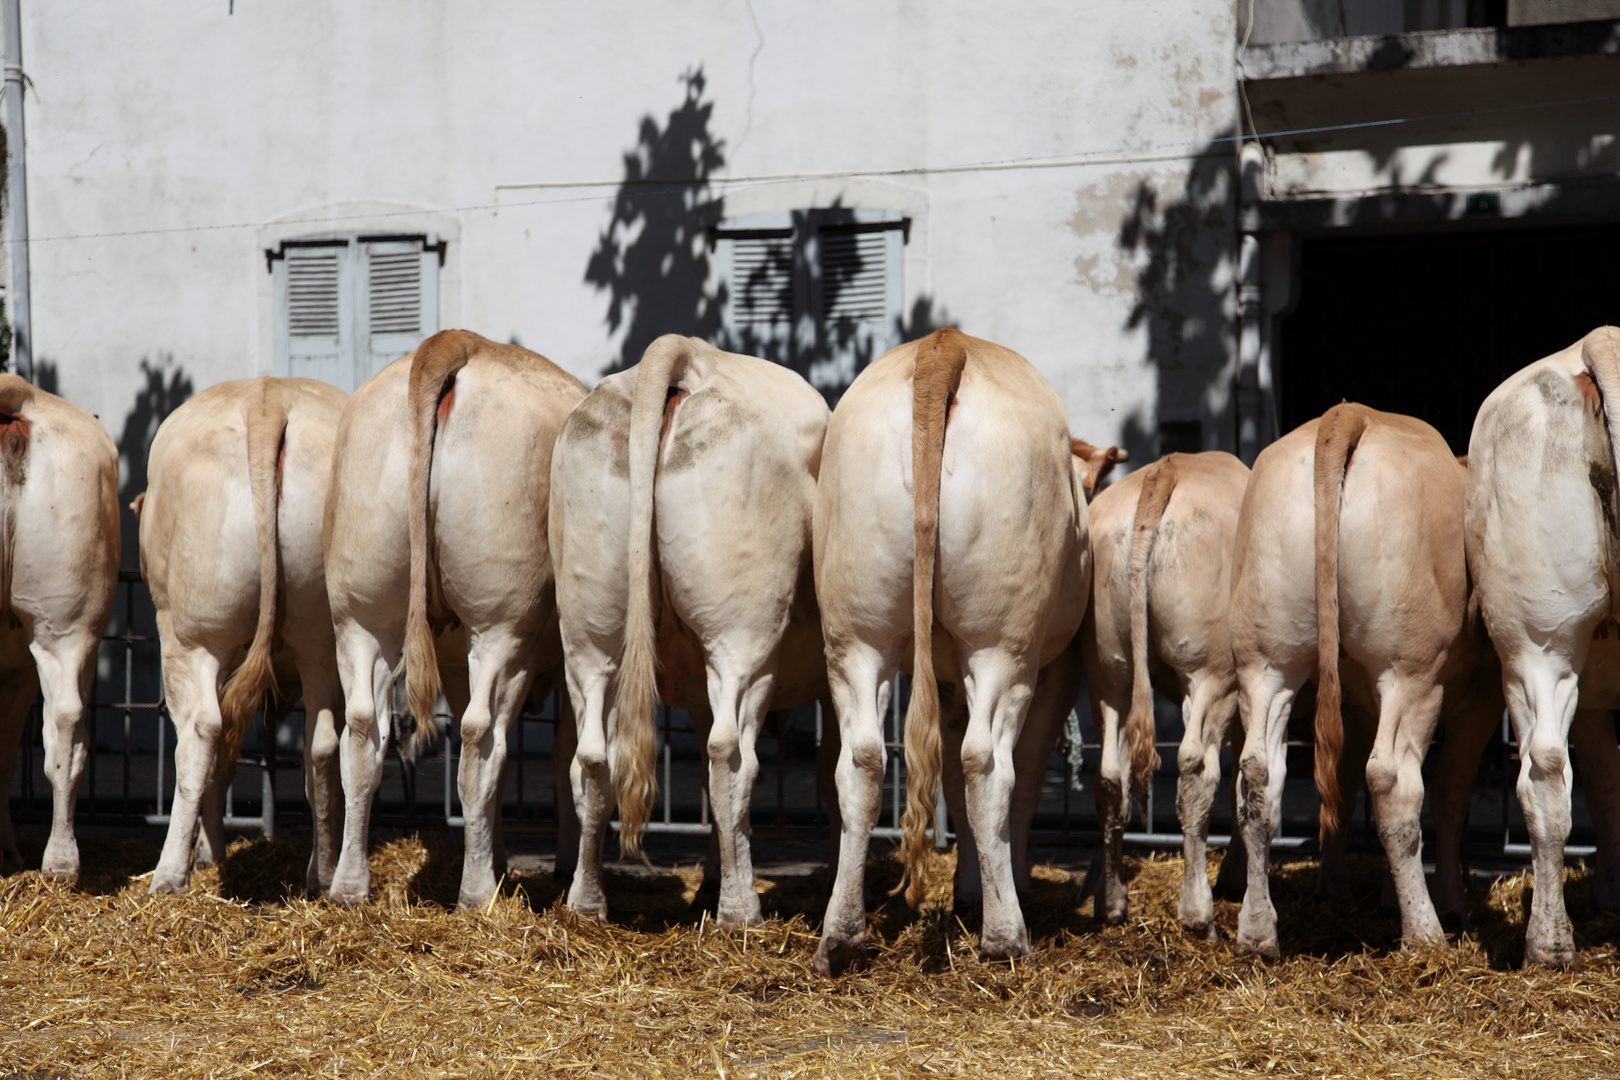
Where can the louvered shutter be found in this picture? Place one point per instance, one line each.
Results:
(763, 291)
(313, 331)
(399, 302)
(856, 299)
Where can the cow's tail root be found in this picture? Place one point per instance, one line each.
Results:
(431, 396)
(1158, 482)
(1336, 439)
(663, 365)
(252, 686)
(941, 358)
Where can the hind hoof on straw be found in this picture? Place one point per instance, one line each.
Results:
(347, 899)
(838, 953)
(1562, 956)
(1004, 947)
(167, 886)
(1265, 950)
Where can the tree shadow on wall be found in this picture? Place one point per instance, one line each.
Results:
(800, 296)
(1183, 246)
(653, 259)
(163, 388)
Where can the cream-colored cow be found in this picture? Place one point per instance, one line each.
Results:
(1544, 550)
(231, 549)
(681, 497)
(1350, 539)
(951, 537)
(436, 521)
(1163, 540)
(59, 550)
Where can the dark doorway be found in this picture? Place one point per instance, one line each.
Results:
(1429, 324)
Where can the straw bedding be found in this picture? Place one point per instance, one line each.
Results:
(242, 976)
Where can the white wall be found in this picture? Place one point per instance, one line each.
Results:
(169, 120)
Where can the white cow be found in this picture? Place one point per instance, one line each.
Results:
(1163, 540)
(1544, 549)
(59, 551)
(231, 550)
(1349, 563)
(681, 498)
(963, 554)
(436, 521)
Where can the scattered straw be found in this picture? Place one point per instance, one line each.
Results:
(242, 975)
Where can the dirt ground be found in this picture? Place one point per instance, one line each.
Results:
(244, 976)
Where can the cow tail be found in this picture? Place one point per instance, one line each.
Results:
(653, 405)
(1600, 353)
(253, 683)
(1158, 481)
(431, 396)
(15, 432)
(1336, 438)
(940, 359)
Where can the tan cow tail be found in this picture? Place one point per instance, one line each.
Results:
(15, 394)
(1158, 482)
(1336, 438)
(431, 396)
(1600, 353)
(249, 686)
(940, 359)
(656, 397)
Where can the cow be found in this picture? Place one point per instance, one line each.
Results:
(1162, 539)
(230, 532)
(681, 499)
(1349, 568)
(1544, 550)
(59, 552)
(435, 540)
(950, 525)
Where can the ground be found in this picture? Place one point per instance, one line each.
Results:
(240, 976)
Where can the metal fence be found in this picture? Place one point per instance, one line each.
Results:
(128, 778)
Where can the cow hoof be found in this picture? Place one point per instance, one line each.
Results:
(1110, 916)
(348, 899)
(167, 886)
(67, 874)
(1561, 955)
(1008, 947)
(1199, 928)
(1264, 949)
(740, 921)
(837, 954)
(474, 901)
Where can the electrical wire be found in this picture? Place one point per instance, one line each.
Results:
(647, 188)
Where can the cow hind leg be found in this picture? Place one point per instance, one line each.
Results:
(739, 712)
(953, 717)
(1001, 687)
(323, 780)
(190, 680)
(1541, 703)
(562, 760)
(17, 689)
(1265, 698)
(1593, 737)
(65, 667)
(860, 695)
(591, 780)
(1333, 877)
(1452, 789)
(1205, 711)
(1408, 715)
(1113, 796)
(368, 681)
(499, 675)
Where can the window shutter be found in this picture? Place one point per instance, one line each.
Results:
(763, 293)
(312, 331)
(856, 298)
(401, 300)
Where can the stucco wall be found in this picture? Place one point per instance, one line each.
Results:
(209, 134)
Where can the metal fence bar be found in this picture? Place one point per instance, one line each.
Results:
(138, 651)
